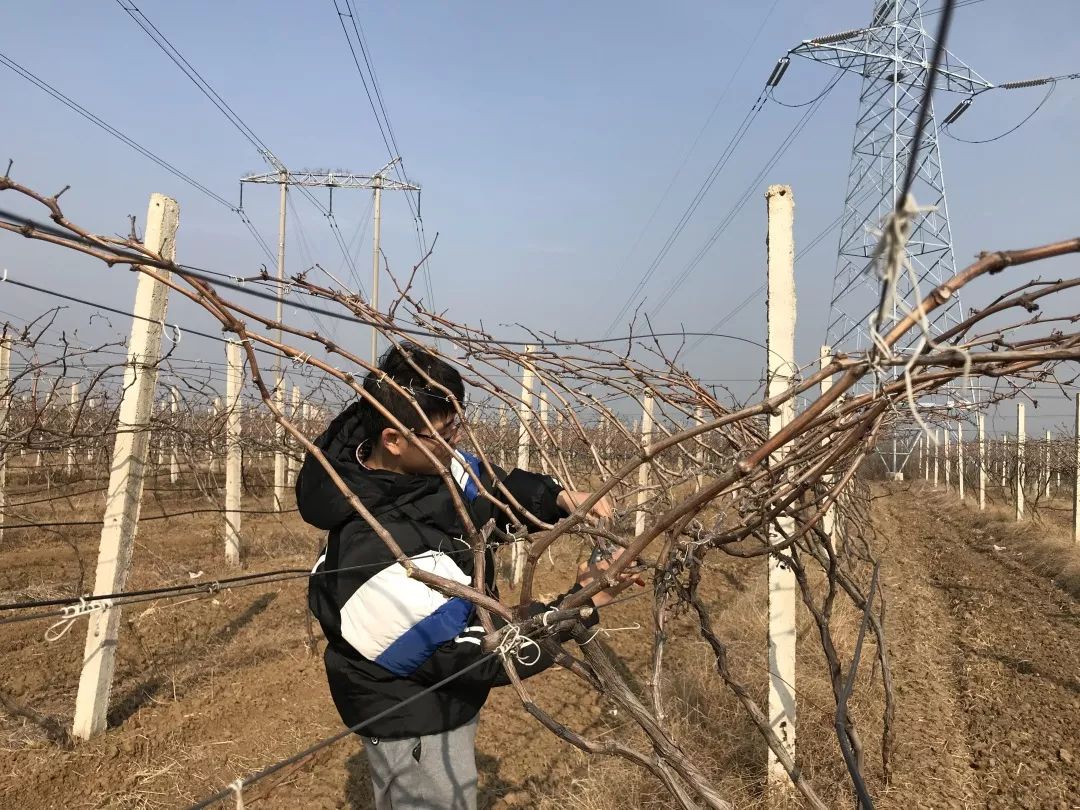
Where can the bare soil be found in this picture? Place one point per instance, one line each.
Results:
(983, 646)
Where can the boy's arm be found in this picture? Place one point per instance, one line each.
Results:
(542, 496)
(537, 493)
(465, 649)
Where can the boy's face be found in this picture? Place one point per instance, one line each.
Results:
(407, 450)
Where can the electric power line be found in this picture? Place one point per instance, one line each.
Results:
(217, 277)
(689, 151)
(386, 130)
(746, 195)
(189, 70)
(814, 242)
(959, 4)
(947, 127)
(690, 209)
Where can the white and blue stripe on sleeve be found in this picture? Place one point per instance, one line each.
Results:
(458, 469)
(398, 622)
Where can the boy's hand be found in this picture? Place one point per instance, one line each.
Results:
(569, 500)
(587, 573)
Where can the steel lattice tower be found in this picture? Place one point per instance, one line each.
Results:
(891, 55)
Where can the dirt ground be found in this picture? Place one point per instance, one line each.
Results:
(982, 643)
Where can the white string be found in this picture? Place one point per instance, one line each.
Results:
(57, 630)
(177, 335)
(514, 642)
(237, 788)
(609, 630)
(892, 252)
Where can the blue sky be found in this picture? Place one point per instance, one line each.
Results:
(544, 135)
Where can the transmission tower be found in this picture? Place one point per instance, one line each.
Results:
(283, 178)
(892, 56)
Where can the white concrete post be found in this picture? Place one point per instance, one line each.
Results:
(160, 440)
(523, 454)
(643, 471)
(127, 471)
(1076, 470)
(937, 454)
(945, 460)
(981, 417)
(73, 405)
(1021, 440)
(1004, 467)
(234, 384)
(5, 405)
(543, 432)
(828, 522)
(293, 463)
(91, 404)
(1046, 490)
(960, 458)
(780, 354)
(279, 450)
(699, 418)
(504, 435)
(214, 449)
(174, 459)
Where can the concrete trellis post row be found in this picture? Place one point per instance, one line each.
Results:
(174, 459)
(1004, 466)
(699, 418)
(945, 457)
(5, 409)
(981, 417)
(1076, 470)
(1021, 441)
(960, 458)
(1046, 466)
(782, 586)
(828, 522)
(523, 454)
(647, 410)
(543, 430)
(234, 385)
(292, 461)
(279, 448)
(215, 411)
(937, 453)
(127, 472)
(73, 407)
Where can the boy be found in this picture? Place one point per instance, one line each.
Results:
(390, 637)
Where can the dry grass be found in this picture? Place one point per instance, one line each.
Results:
(1045, 546)
(708, 721)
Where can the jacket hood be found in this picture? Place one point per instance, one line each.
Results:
(320, 501)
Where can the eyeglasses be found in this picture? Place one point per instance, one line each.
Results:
(448, 434)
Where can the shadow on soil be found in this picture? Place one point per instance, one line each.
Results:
(147, 690)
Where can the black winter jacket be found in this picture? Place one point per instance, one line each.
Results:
(390, 636)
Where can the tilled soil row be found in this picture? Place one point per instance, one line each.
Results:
(987, 658)
(983, 651)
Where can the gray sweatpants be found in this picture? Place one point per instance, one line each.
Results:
(436, 772)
